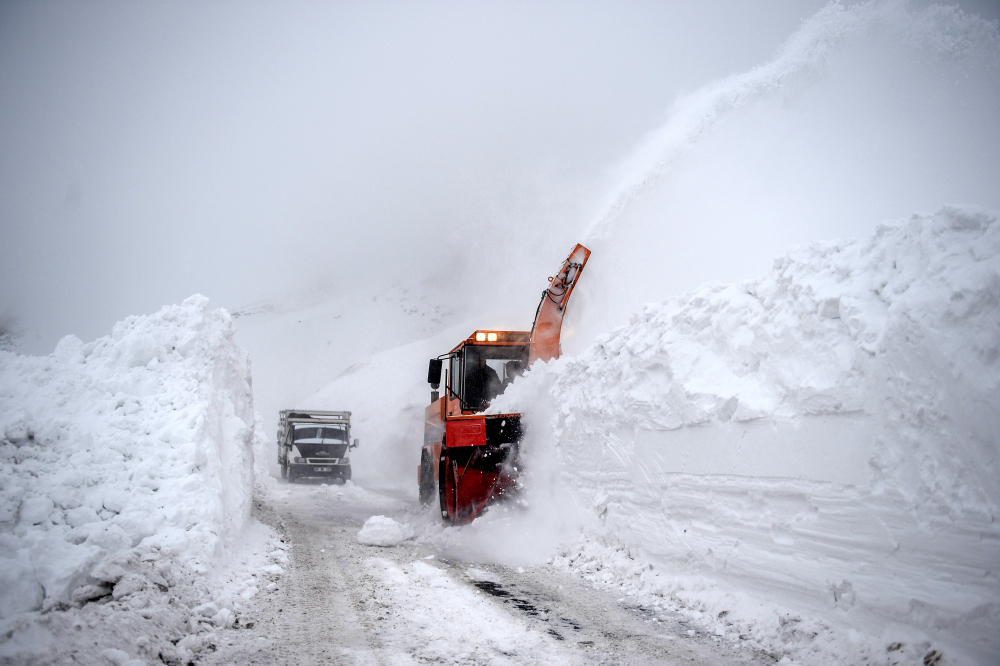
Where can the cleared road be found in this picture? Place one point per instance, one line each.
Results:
(341, 602)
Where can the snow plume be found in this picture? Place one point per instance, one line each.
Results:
(825, 440)
(868, 112)
(139, 439)
(944, 32)
(527, 530)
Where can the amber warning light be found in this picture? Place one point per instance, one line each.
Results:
(483, 336)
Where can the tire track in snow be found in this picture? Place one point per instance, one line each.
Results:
(317, 615)
(324, 620)
(604, 630)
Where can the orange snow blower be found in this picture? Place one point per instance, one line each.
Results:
(472, 459)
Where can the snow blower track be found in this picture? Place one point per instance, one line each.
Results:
(341, 602)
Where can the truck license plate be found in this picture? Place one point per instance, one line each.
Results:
(321, 469)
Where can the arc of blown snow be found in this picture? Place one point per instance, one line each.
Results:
(694, 115)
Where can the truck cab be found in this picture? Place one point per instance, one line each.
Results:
(314, 444)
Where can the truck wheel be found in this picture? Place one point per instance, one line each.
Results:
(426, 478)
(346, 476)
(291, 474)
(446, 490)
(284, 471)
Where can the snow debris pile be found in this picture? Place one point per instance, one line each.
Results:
(383, 531)
(125, 463)
(825, 438)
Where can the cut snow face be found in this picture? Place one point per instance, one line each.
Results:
(825, 439)
(141, 437)
(880, 356)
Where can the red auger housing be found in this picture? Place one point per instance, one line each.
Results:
(471, 458)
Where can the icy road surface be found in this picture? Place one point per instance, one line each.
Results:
(341, 602)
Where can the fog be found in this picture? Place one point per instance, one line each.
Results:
(251, 151)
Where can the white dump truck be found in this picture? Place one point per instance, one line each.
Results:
(314, 443)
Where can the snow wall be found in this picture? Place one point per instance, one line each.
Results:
(823, 441)
(142, 436)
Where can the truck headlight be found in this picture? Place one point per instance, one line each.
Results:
(300, 460)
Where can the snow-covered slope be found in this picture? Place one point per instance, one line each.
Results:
(810, 459)
(387, 394)
(304, 344)
(125, 466)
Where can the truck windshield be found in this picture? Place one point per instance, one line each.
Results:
(488, 370)
(325, 434)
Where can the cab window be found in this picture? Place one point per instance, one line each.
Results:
(488, 370)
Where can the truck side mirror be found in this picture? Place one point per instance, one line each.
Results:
(434, 373)
(355, 444)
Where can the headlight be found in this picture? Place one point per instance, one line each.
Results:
(491, 337)
(300, 460)
(480, 337)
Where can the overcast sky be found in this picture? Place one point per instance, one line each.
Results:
(149, 151)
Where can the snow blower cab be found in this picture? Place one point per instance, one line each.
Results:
(470, 459)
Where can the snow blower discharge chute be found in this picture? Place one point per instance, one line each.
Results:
(469, 458)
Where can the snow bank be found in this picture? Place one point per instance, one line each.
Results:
(895, 341)
(141, 437)
(824, 440)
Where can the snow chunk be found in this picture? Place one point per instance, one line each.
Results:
(35, 510)
(208, 609)
(21, 589)
(272, 570)
(116, 657)
(224, 618)
(383, 531)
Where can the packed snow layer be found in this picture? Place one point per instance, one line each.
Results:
(438, 620)
(822, 442)
(142, 438)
